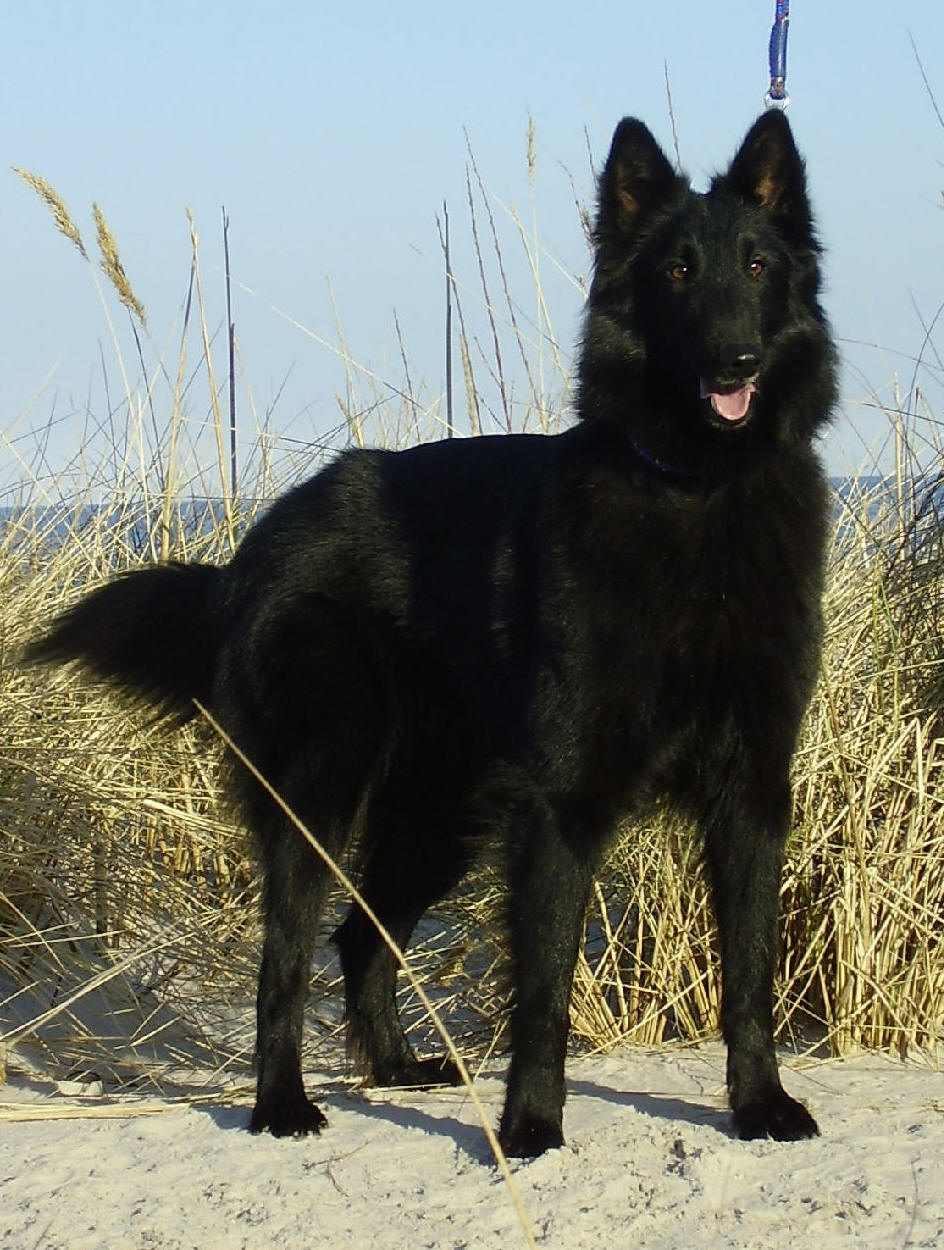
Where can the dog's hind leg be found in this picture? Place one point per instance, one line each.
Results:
(295, 889)
(744, 847)
(310, 713)
(415, 857)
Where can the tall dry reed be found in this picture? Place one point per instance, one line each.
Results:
(128, 930)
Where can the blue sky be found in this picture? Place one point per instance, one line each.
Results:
(333, 136)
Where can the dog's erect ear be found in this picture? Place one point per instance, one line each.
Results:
(636, 178)
(768, 172)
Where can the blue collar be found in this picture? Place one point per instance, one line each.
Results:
(653, 462)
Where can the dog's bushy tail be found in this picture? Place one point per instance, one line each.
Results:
(152, 634)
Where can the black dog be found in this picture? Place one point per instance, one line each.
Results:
(525, 639)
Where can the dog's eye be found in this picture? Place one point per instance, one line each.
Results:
(755, 267)
(678, 271)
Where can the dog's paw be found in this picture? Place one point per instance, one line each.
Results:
(529, 1136)
(778, 1116)
(421, 1074)
(282, 1118)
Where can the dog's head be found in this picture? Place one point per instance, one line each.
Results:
(705, 340)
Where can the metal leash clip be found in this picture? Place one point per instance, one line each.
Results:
(776, 97)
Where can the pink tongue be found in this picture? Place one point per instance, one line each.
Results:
(730, 405)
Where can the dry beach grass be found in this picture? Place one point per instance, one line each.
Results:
(128, 931)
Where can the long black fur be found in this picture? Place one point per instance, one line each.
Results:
(534, 637)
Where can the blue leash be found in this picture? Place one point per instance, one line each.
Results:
(776, 97)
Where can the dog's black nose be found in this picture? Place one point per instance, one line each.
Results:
(741, 359)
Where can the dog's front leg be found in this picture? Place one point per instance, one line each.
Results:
(744, 844)
(549, 884)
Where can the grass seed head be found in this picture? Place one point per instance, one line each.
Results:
(56, 205)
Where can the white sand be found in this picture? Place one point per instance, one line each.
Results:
(649, 1162)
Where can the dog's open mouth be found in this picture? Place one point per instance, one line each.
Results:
(731, 403)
